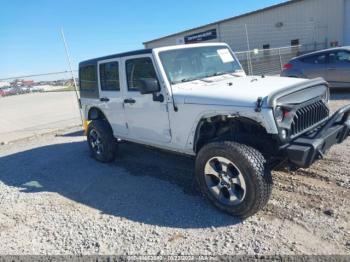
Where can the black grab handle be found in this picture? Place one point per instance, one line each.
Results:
(129, 101)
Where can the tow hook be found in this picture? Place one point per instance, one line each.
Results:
(259, 104)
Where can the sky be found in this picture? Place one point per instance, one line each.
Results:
(30, 40)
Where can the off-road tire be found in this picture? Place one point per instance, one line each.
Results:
(251, 163)
(107, 139)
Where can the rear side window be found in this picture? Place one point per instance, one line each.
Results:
(88, 78)
(315, 59)
(109, 76)
(139, 68)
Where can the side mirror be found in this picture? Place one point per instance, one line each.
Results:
(149, 86)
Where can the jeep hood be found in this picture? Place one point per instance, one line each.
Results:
(237, 91)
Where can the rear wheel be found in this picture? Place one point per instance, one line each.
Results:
(234, 178)
(101, 141)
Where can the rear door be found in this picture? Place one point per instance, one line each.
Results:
(338, 68)
(314, 66)
(111, 96)
(147, 119)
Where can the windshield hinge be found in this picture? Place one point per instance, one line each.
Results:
(259, 104)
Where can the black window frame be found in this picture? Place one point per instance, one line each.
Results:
(135, 88)
(103, 80)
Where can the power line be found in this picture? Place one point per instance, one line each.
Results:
(34, 75)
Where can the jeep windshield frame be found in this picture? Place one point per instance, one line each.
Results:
(197, 63)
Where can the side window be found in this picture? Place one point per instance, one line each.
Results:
(139, 68)
(109, 76)
(267, 46)
(295, 42)
(339, 57)
(315, 59)
(87, 77)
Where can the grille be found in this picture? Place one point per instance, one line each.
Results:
(309, 116)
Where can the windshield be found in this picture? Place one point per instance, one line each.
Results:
(188, 64)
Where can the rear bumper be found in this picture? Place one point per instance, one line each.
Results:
(306, 149)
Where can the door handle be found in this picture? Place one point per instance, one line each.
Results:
(129, 101)
(332, 69)
(104, 99)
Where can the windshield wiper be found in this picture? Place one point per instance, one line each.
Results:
(217, 74)
(227, 73)
(184, 80)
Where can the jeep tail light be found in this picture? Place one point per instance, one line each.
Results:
(287, 66)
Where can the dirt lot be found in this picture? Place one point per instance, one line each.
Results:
(54, 199)
(36, 114)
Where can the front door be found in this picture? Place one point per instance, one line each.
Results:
(111, 95)
(338, 69)
(147, 119)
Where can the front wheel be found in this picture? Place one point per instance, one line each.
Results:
(101, 141)
(233, 177)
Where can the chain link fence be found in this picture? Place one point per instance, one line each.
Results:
(265, 48)
(271, 61)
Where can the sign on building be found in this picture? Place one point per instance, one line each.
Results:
(201, 36)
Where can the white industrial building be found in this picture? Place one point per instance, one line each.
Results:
(311, 24)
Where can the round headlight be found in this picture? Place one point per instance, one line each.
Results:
(325, 96)
(279, 114)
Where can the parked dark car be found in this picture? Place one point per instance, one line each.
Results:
(331, 64)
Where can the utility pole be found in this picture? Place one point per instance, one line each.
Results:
(71, 71)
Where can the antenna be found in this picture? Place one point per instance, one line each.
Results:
(71, 71)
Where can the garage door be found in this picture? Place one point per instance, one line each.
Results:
(347, 23)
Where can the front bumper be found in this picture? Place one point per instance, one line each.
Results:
(306, 149)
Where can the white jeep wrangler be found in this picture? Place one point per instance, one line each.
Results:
(197, 100)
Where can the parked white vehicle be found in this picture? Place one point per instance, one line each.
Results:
(197, 100)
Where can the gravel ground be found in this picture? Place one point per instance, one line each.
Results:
(55, 199)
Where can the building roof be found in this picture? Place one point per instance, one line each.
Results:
(136, 52)
(288, 2)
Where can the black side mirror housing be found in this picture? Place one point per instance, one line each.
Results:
(149, 86)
